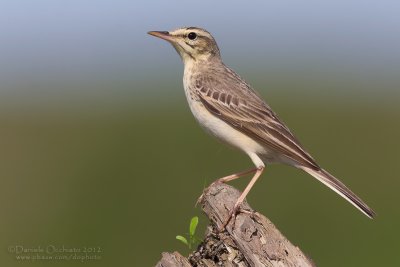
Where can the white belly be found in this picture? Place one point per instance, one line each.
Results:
(225, 132)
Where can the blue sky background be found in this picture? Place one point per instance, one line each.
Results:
(58, 46)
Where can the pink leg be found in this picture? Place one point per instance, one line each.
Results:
(228, 179)
(235, 176)
(233, 212)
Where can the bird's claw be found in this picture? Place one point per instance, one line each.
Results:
(231, 217)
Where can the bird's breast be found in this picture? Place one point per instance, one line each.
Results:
(221, 130)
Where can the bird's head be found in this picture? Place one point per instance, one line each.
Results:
(191, 43)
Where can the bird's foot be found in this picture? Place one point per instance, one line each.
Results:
(232, 216)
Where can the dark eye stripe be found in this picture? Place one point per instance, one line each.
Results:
(192, 46)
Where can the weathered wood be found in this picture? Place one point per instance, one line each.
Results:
(173, 260)
(249, 240)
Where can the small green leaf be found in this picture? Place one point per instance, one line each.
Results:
(193, 225)
(182, 239)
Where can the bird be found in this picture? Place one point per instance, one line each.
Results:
(227, 107)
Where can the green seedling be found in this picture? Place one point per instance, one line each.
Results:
(192, 239)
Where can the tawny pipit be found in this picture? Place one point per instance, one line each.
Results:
(228, 108)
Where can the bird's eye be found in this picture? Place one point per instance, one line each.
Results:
(192, 35)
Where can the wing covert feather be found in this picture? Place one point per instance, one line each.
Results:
(244, 110)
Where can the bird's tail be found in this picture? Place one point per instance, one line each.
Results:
(337, 186)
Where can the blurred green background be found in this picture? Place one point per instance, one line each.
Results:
(99, 150)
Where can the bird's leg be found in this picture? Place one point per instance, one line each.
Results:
(233, 212)
(227, 179)
(234, 176)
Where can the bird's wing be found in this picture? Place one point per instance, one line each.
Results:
(247, 113)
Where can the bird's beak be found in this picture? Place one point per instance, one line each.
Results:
(162, 34)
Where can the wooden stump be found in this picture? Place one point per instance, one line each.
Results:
(249, 240)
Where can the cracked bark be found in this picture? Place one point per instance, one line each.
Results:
(249, 240)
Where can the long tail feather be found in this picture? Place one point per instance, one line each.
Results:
(337, 186)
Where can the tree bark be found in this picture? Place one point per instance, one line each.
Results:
(250, 239)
